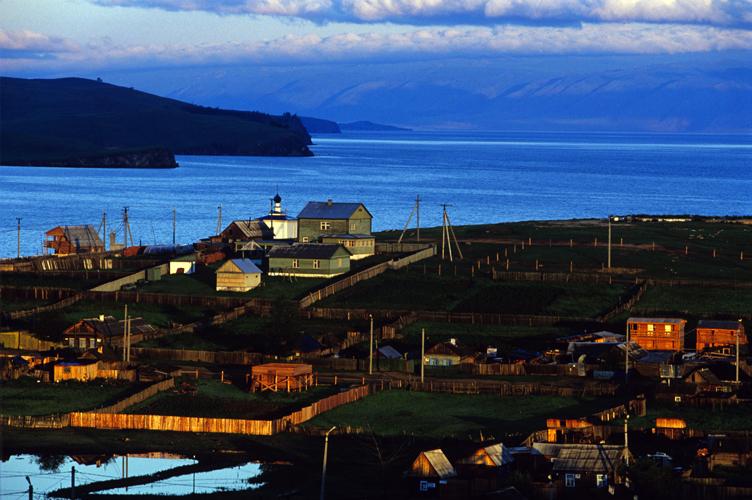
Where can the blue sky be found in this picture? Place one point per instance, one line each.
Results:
(158, 45)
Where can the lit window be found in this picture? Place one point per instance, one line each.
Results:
(71, 342)
(295, 263)
(305, 239)
(651, 328)
(317, 264)
(667, 328)
(92, 343)
(601, 480)
(82, 343)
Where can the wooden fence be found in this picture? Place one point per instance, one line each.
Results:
(222, 425)
(425, 253)
(510, 389)
(215, 357)
(137, 398)
(37, 422)
(384, 247)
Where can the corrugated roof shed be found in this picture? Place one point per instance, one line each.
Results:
(547, 449)
(590, 457)
(306, 251)
(328, 210)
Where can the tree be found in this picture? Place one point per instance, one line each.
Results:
(49, 325)
(50, 463)
(650, 480)
(283, 330)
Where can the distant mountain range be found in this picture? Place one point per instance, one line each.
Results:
(320, 126)
(693, 95)
(76, 122)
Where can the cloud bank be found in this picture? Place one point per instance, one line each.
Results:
(485, 12)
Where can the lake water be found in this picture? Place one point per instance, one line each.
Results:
(485, 177)
(14, 471)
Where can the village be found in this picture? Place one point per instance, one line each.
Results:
(311, 286)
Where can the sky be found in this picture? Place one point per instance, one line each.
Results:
(159, 44)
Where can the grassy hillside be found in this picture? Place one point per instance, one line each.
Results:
(48, 119)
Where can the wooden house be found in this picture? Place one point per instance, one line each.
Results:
(723, 334)
(243, 231)
(347, 224)
(308, 260)
(730, 452)
(449, 353)
(73, 239)
(429, 474)
(673, 428)
(238, 275)
(281, 376)
(281, 225)
(587, 466)
(569, 431)
(80, 369)
(91, 333)
(485, 469)
(657, 334)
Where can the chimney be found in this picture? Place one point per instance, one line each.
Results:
(329, 202)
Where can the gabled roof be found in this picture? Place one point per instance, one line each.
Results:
(309, 344)
(709, 376)
(307, 251)
(438, 462)
(635, 351)
(110, 327)
(252, 229)
(458, 348)
(498, 454)
(718, 325)
(329, 210)
(547, 449)
(590, 457)
(245, 266)
(80, 236)
(389, 352)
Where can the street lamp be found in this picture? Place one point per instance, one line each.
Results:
(323, 472)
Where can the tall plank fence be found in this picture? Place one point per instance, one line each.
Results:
(216, 425)
(137, 398)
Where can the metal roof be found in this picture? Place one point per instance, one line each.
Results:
(590, 457)
(111, 327)
(656, 320)
(440, 463)
(246, 266)
(329, 210)
(718, 324)
(306, 251)
(81, 236)
(389, 352)
(498, 454)
(548, 449)
(348, 236)
(253, 229)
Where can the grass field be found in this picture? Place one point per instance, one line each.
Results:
(434, 415)
(733, 417)
(25, 396)
(697, 300)
(30, 280)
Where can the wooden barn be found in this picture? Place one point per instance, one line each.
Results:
(569, 431)
(673, 428)
(82, 369)
(282, 376)
(485, 469)
(238, 275)
(657, 334)
(244, 230)
(73, 239)
(429, 475)
(724, 334)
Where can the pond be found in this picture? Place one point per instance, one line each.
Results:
(178, 475)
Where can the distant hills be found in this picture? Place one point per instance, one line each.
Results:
(629, 94)
(78, 122)
(320, 126)
(370, 126)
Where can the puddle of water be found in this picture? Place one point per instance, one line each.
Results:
(14, 486)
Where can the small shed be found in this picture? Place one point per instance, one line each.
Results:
(588, 466)
(285, 376)
(429, 474)
(238, 275)
(73, 239)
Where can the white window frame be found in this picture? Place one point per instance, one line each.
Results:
(569, 480)
(325, 225)
(352, 226)
(295, 263)
(317, 264)
(601, 480)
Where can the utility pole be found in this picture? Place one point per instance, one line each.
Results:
(103, 224)
(19, 236)
(73, 483)
(445, 228)
(422, 352)
(609, 242)
(31, 488)
(737, 351)
(125, 331)
(219, 221)
(416, 207)
(173, 226)
(127, 227)
(370, 360)
(627, 364)
(323, 472)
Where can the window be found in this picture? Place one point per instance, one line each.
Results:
(82, 343)
(92, 343)
(667, 328)
(339, 262)
(351, 243)
(66, 369)
(447, 362)
(341, 242)
(651, 328)
(424, 486)
(317, 264)
(434, 362)
(601, 480)
(305, 239)
(352, 226)
(569, 481)
(295, 263)
(71, 342)
(325, 225)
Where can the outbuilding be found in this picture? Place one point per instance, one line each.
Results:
(238, 275)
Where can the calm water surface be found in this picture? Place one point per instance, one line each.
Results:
(485, 177)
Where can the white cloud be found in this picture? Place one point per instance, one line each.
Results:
(596, 39)
(453, 12)
(29, 41)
